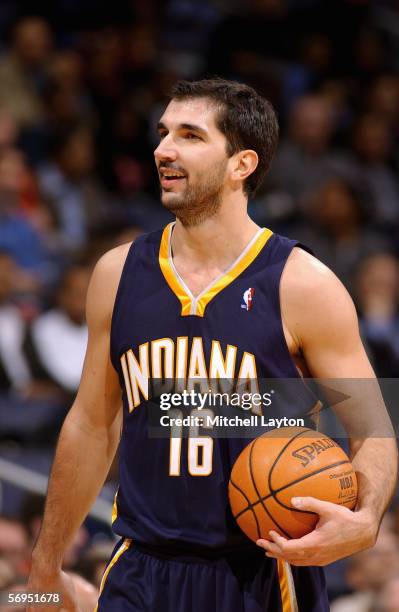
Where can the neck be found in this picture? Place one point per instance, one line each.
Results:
(218, 239)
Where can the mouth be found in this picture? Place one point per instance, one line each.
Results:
(169, 177)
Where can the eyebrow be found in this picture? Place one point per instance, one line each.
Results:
(184, 126)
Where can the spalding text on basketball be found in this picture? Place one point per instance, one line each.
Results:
(308, 453)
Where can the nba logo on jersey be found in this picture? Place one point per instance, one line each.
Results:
(247, 298)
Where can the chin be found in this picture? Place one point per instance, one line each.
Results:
(172, 201)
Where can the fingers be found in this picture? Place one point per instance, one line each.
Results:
(280, 548)
(313, 505)
(299, 550)
(309, 549)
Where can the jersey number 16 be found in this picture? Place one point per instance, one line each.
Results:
(200, 448)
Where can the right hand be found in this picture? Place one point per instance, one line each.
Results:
(58, 582)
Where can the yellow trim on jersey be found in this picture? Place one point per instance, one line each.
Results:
(115, 508)
(221, 283)
(168, 273)
(124, 546)
(288, 596)
(232, 274)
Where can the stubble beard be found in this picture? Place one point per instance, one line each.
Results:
(200, 201)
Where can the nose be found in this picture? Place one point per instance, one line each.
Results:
(166, 150)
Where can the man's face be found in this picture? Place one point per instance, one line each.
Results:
(191, 160)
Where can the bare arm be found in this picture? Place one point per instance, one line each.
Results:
(321, 327)
(90, 433)
(327, 334)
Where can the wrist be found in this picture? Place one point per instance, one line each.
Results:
(370, 524)
(44, 565)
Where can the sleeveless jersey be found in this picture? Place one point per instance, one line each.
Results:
(166, 498)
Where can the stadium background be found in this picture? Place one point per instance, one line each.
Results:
(82, 85)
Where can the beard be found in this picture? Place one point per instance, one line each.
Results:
(199, 201)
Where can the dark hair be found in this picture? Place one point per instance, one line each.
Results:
(246, 119)
(62, 135)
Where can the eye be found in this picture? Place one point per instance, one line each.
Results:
(162, 134)
(191, 136)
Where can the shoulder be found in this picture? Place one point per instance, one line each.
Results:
(305, 275)
(113, 261)
(110, 265)
(105, 281)
(313, 299)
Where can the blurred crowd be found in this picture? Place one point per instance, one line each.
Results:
(82, 86)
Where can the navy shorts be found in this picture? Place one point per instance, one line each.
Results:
(137, 581)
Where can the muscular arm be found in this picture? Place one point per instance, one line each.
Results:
(90, 433)
(321, 328)
(322, 325)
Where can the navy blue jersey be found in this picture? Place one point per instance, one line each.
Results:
(169, 496)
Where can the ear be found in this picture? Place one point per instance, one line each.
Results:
(245, 163)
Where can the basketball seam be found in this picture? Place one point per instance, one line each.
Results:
(269, 478)
(276, 491)
(269, 495)
(257, 491)
(249, 507)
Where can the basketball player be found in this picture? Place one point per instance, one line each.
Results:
(212, 294)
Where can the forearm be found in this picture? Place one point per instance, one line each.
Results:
(373, 448)
(375, 461)
(82, 461)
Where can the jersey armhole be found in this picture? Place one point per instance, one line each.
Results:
(295, 244)
(121, 285)
(313, 397)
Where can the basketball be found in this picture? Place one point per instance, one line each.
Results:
(285, 463)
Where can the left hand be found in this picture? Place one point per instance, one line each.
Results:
(338, 533)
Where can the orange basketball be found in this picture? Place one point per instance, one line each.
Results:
(285, 463)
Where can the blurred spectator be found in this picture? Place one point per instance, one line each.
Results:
(23, 222)
(336, 228)
(7, 574)
(252, 31)
(383, 99)
(368, 572)
(125, 156)
(304, 160)
(370, 166)
(22, 70)
(14, 544)
(66, 70)
(369, 55)
(57, 339)
(8, 129)
(105, 60)
(65, 94)
(315, 54)
(377, 299)
(14, 370)
(68, 180)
